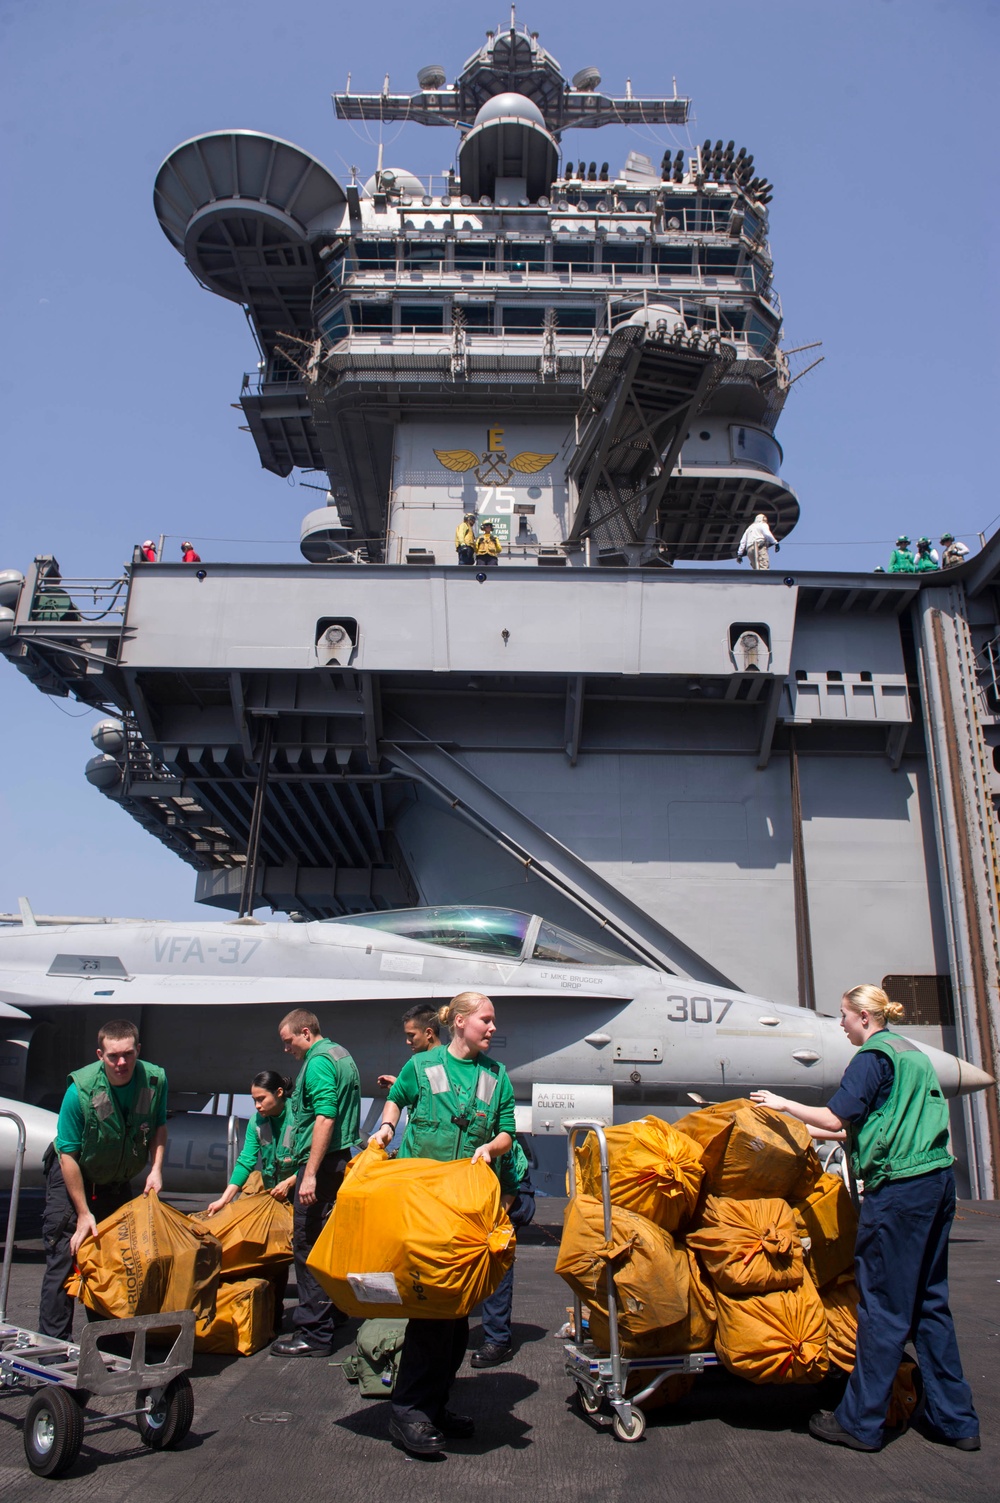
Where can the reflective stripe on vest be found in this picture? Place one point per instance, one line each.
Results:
(485, 1086)
(437, 1079)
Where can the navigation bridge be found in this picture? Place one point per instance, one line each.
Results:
(484, 317)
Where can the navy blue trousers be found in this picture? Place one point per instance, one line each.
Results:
(901, 1265)
(497, 1311)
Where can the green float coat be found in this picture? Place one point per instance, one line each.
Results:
(435, 1087)
(118, 1123)
(328, 1085)
(272, 1140)
(908, 1135)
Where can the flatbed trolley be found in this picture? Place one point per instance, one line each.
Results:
(62, 1375)
(601, 1380)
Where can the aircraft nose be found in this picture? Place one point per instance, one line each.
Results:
(971, 1078)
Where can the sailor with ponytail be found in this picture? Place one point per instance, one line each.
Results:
(892, 1113)
(460, 1105)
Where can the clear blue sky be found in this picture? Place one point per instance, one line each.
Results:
(873, 118)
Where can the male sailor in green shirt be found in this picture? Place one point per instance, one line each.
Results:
(113, 1118)
(326, 1119)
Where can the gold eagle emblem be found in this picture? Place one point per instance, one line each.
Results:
(493, 468)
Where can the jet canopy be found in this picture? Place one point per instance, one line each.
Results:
(488, 931)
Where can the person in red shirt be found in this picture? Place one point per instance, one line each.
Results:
(148, 552)
(188, 555)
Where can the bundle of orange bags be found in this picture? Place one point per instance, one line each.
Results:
(753, 1243)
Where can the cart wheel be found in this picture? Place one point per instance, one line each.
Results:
(53, 1431)
(634, 1432)
(589, 1402)
(169, 1420)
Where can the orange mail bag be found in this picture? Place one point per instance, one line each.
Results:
(748, 1246)
(695, 1333)
(255, 1231)
(414, 1238)
(650, 1272)
(774, 1338)
(653, 1169)
(244, 1319)
(147, 1257)
(840, 1301)
(828, 1222)
(766, 1153)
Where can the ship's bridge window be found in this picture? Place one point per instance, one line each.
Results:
(487, 931)
(732, 320)
(524, 255)
(622, 259)
(569, 320)
(423, 255)
(522, 320)
(719, 259)
(475, 255)
(365, 316)
(570, 257)
(675, 260)
(415, 317)
(477, 315)
(564, 948)
(375, 255)
(761, 335)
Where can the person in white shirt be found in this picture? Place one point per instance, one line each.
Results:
(755, 543)
(954, 553)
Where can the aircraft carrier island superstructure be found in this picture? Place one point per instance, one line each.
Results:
(782, 783)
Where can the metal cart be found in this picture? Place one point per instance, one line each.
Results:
(601, 1380)
(63, 1375)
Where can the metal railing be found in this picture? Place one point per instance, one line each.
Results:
(91, 601)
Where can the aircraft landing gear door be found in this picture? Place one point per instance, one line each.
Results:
(554, 1105)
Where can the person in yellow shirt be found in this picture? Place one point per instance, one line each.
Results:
(487, 546)
(465, 539)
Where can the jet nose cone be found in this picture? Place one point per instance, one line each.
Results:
(971, 1078)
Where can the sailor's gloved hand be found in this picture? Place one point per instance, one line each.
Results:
(777, 547)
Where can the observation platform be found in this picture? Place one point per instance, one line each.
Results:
(265, 1428)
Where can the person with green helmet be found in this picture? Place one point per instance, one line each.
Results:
(325, 1124)
(901, 561)
(926, 558)
(955, 553)
(112, 1122)
(460, 1105)
(896, 1120)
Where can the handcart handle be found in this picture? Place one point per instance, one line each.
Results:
(15, 1196)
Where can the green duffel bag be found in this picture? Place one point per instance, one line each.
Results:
(375, 1363)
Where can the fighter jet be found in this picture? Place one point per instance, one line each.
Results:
(582, 1030)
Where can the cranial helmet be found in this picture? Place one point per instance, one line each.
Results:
(947, 537)
(903, 542)
(923, 542)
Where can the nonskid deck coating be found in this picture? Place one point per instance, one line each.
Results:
(264, 1428)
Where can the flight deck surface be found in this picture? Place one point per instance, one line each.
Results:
(265, 1428)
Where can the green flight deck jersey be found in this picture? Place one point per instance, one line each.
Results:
(908, 1134)
(454, 1105)
(327, 1085)
(110, 1128)
(272, 1140)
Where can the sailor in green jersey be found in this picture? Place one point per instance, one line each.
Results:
(422, 1031)
(268, 1142)
(325, 1125)
(112, 1121)
(896, 1122)
(460, 1105)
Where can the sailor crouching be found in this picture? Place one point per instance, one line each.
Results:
(112, 1119)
